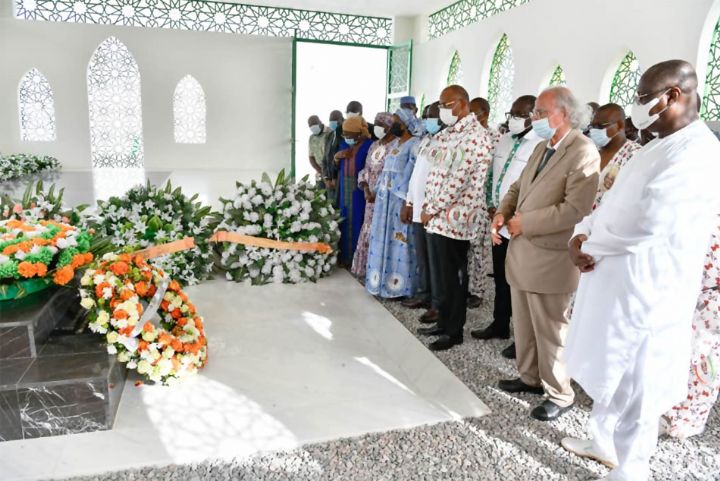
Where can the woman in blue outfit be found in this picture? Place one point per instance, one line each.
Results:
(351, 198)
(391, 256)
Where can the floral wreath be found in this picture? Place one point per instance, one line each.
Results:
(123, 293)
(34, 251)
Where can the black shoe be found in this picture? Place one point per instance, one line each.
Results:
(509, 352)
(516, 385)
(489, 332)
(549, 411)
(413, 303)
(474, 302)
(430, 316)
(431, 331)
(444, 343)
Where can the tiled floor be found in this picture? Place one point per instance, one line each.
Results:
(289, 365)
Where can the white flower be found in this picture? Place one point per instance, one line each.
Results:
(111, 349)
(87, 303)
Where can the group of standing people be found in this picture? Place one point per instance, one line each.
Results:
(604, 252)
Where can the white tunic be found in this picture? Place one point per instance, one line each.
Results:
(648, 237)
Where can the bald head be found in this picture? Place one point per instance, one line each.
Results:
(481, 108)
(314, 120)
(611, 113)
(457, 99)
(433, 110)
(354, 107)
(674, 83)
(611, 118)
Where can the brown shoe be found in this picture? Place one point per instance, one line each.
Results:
(413, 303)
(430, 316)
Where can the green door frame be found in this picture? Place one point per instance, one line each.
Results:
(297, 40)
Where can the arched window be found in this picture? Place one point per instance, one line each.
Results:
(113, 80)
(36, 105)
(500, 86)
(625, 82)
(558, 77)
(711, 95)
(189, 111)
(455, 72)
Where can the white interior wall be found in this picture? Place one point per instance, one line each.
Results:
(247, 82)
(587, 37)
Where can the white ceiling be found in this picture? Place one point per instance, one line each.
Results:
(373, 8)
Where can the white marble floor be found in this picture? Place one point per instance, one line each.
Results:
(289, 365)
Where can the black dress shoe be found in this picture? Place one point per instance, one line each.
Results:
(431, 331)
(474, 302)
(489, 332)
(413, 303)
(430, 316)
(509, 352)
(517, 385)
(549, 411)
(443, 343)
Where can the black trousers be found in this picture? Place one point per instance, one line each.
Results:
(503, 304)
(423, 290)
(449, 278)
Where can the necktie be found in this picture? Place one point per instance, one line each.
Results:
(549, 151)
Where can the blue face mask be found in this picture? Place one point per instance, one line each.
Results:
(350, 141)
(333, 125)
(542, 128)
(432, 126)
(600, 137)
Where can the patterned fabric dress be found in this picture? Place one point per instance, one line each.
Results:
(689, 417)
(618, 161)
(351, 200)
(391, 268)
(369, 175)
(480, 254)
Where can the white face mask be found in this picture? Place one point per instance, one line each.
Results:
(315, 129)
(352, 114)
(379, 131)
(516, 125)
(641, 113)
(447, 117)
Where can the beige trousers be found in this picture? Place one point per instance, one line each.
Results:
(541, 324)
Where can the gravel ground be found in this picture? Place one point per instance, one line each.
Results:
(506, 445)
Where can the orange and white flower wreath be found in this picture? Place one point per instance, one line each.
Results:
(122, 293)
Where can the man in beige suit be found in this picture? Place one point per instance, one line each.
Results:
(554, 192)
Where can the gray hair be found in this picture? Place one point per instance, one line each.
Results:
(580, 115)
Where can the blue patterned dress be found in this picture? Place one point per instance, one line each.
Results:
(391, 269)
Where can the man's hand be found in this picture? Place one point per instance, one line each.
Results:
(491, 212)
(425, 217)
(406, 213)
(369, 196)
(497, 223)
(340, 155)
(514, 225)
(608, 181)
(330, 183)
(583, 261)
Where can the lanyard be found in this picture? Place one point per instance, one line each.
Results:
(514, 150)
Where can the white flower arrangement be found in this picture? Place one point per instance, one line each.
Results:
(19, 165)
(149, 215)
(282, 211)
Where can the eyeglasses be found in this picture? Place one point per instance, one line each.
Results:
(509, 115)
(603, 125)
(539, 114)
(638, 96)
(448, 105)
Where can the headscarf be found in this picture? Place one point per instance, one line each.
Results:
(357, 124)
(412, 123)
(385, 119)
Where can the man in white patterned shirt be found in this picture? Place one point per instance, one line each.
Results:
(454, 200)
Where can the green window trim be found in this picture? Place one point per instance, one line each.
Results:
(466, 12)
(455, 71)
(625, 81)
(558, 77)
(711, 94)
(213, 16)
(500, 84)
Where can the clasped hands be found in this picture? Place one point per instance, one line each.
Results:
(514, 227)
(583, 261)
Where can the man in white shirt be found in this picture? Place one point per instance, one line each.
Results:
(510, 158)
(641, 253)
(411, 213)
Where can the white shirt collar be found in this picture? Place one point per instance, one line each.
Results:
(557, 146)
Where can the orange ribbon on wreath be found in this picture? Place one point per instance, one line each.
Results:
(224, 236)
(248, 240)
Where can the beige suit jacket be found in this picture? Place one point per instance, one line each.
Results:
(551, 205)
